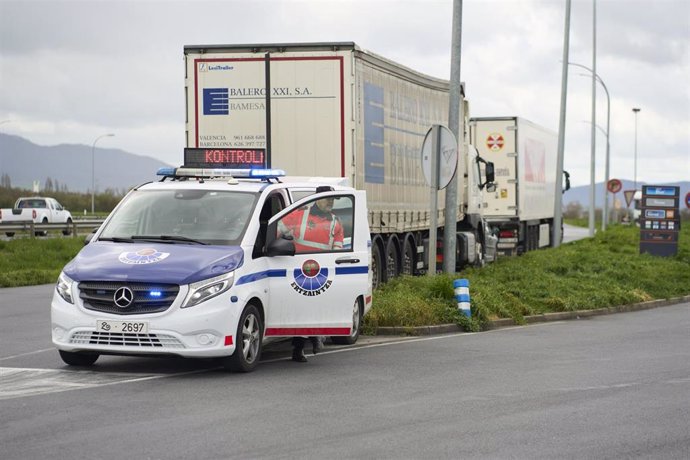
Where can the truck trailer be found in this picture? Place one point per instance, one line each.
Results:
(521, 209)
(337, 110)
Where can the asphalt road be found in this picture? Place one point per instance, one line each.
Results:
(574, 233)
(615, 386)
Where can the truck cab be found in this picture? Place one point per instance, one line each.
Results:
(194, 265)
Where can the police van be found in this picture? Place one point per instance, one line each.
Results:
(194, 265)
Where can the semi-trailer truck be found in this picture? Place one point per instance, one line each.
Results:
(521, 209)
(337, 110)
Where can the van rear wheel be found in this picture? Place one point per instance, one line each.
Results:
(356, 327)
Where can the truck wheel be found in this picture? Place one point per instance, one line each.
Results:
(392, 259)
(479, 261)
(248, 347)
(68, 231)
(356, 326)
(44, 232)
(78, 359)
(376, 266)
(409, 262)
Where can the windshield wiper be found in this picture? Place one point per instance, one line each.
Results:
(167, 238)
(117, 239)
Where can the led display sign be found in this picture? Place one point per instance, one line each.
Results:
(225, 158)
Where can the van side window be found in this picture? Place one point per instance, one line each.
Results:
(323, 225)
(272, 206)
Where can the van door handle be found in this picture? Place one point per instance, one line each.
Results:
(346, 260)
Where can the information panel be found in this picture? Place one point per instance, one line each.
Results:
(659, 220)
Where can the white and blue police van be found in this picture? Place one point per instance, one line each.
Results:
(192, 265)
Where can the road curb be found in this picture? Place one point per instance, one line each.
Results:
(543, 318)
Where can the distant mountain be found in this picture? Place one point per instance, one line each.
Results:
(70, 165)
(581, 193)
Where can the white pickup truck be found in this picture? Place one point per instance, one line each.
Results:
(39, 210)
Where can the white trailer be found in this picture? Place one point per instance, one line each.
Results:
(334, 109)
(521, 209)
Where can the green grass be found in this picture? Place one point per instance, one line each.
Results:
(604, 271)
(27, 262)
(594, 273)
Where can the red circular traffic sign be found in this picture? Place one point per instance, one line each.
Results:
(687, 200)
(614, 185)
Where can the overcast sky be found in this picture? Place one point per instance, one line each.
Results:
(71, 71)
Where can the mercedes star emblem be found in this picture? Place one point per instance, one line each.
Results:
(123, 297)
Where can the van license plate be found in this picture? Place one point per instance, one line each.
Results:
(134, 327)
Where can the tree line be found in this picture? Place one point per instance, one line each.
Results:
(76, 202)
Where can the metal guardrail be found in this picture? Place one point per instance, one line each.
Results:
(76, 228)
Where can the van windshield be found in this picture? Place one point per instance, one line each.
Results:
(182, 216)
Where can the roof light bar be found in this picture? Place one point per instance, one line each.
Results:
(220, 172)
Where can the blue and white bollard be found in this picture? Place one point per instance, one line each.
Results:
(462, 296)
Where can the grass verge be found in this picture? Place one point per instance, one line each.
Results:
(603, 271)
(27, 262)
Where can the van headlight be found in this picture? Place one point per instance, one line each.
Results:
(207, 289)
(64, 287)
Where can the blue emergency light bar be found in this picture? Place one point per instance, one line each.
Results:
(228, 173)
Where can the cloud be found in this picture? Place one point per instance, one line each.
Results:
(73, 70)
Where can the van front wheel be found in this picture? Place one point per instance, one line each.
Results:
(248, 342)
(78, 359)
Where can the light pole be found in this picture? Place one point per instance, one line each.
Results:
(557, 234)
(93, 169)
(608, 144)
(594, 117)
(636, 111)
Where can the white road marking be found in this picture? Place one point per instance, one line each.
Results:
(20, 382)
(29, 353)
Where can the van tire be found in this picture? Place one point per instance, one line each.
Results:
(78, 359)
(248, 342)
(356, 328)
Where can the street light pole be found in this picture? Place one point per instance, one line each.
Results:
(636, 111)
(93, 169)
(556, 233)
(592, 206)
(608, 144)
